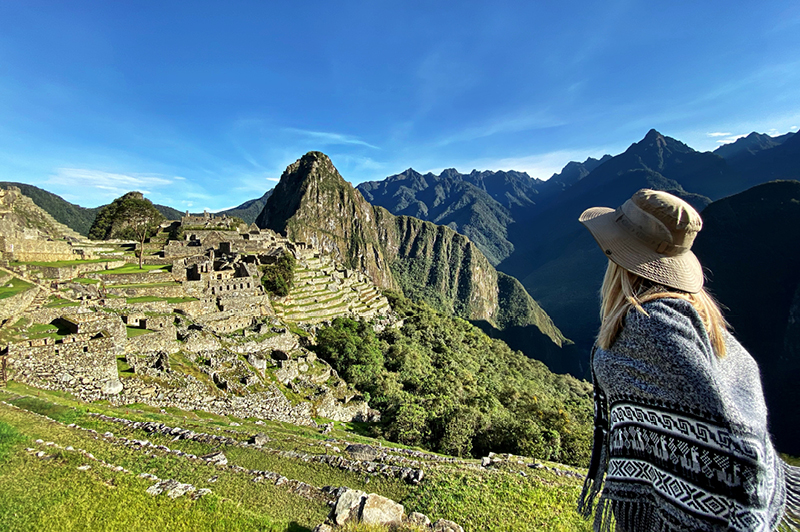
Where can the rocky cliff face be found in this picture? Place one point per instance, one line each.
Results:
(313, 203)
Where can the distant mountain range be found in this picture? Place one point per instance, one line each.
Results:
(528, 228)
(249, 210)
(560, 266)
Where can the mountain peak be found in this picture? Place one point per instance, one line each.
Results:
(660, 143)
(749, 145)
(313, 164)
(303, 179)
(653, 135)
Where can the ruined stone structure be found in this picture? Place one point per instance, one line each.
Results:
(122, 336)
(83, 364)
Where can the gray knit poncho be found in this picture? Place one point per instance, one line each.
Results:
(681, 434)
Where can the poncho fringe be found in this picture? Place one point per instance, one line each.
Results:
(791, 515)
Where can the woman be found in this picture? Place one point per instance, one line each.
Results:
(680, 420)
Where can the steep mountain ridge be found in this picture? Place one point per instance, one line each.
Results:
(74, 216)
(699, 172)
(748, 246)
(575, 171)
(313, 203)
(480, 205)
(249, 210)
(749, 145)
(779, 162)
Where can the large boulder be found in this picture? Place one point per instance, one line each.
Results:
(347, 506)
(381, 511)
(418, 519)
(112, 387)
(217, 458)
(443, 525)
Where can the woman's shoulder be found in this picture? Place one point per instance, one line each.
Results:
(666, 323)
(665, 312)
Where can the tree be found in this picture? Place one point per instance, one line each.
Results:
(130, 216)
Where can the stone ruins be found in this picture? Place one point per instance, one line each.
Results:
(196, 330)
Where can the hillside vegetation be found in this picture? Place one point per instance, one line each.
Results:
(444, 385)
(75, 217)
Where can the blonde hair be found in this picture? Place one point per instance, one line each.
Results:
(623, 290)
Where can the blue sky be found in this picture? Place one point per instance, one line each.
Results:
(203, 104)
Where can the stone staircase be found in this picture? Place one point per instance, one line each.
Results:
(323, 291)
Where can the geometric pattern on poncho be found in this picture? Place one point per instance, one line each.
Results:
(682, 494)
(690, 464)
(699, 430)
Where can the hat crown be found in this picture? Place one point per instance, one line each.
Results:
(673, 212)
(650, 235)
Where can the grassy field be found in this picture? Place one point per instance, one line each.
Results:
(12, 287)
(134, 268)
(47, 440)
(61, 263)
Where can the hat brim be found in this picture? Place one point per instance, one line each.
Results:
(682, 272)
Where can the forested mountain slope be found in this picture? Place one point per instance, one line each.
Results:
(480, 205)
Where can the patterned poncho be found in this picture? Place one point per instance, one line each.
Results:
(681, 434)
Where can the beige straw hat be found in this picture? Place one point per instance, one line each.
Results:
(650, 235)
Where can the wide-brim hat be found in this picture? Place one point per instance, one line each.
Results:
(650, 235)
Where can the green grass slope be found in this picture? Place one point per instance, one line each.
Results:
(67, 466)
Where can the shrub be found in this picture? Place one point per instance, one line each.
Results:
(278, 279)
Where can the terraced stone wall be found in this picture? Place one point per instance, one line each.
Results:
(155, 276)
(12, 307)
(226, 322)
(30, 250)
(163, 340)
(70, 272)
(143, 291)
(82, 367)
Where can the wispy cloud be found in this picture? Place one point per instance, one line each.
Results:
(328, 139)
(523, 121)
(272, 178)
(718, 134)
(109, 183)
